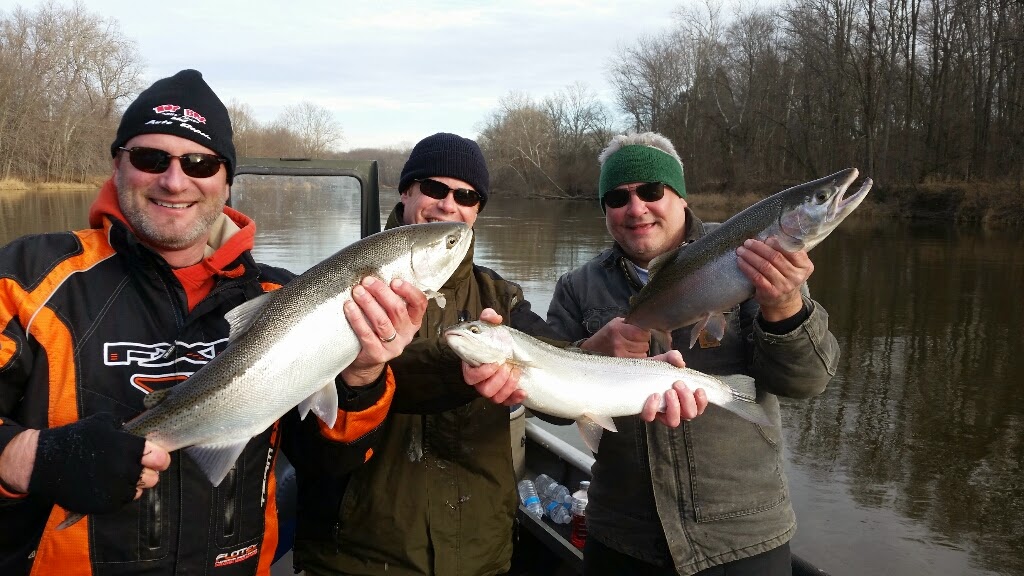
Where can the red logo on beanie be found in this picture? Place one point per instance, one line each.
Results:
(193, 115)
(168, 109)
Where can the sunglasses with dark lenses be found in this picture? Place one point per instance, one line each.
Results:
(156, 161)
(439, 191)
(648, 192)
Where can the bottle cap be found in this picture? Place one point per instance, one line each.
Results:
(584, 484)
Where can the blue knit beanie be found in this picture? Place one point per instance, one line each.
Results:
(451, 156)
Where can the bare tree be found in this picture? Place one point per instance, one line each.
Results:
(316, 127)
(64, 75)
(651, 77)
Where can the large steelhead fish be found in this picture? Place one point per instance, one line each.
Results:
(697, 282)
(588, 388)
(287, 346)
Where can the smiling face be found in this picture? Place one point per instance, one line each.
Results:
(420, 208)
(170, 212)
(646, 230)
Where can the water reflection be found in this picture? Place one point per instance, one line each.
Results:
(299, 221)
(43, 211)
(910, 463)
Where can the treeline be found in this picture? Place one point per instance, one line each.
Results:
(909, 91)
(64, 77)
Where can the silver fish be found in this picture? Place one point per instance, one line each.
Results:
(588, 388)
(286, 348)
(697, 282)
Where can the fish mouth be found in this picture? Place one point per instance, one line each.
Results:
(842, 205)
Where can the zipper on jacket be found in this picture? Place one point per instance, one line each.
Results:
(153, 531)
(230, 490)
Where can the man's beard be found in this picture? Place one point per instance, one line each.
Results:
(150, 233)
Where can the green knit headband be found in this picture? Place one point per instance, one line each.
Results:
(639, 163)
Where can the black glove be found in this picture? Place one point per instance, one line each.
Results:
(89, 466)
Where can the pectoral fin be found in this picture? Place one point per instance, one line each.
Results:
(714, 323)
(434, 294)
(323, 403)
(592, 427)
(216, 460)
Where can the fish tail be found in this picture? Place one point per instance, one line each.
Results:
(70, 520)
(743, 402)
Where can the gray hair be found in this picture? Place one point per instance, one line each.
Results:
(650, 139)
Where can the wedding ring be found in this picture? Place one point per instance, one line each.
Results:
(390, 338)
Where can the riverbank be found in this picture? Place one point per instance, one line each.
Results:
(987, 204)
(16, 187)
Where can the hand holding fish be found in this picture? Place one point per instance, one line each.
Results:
(385, 319)
(777, 276)
(154, 461)
(619, 339)
(499, 382)
(88, 465)
(679, 402)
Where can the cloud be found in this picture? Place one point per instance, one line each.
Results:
(388, 69)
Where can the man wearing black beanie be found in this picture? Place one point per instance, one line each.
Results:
(93, 320)
(439, 495)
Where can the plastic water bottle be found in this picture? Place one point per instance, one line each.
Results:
(578, 535)
(548, 487)
(528, 495)
(556, 511)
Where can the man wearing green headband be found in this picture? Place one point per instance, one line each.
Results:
(709, 496)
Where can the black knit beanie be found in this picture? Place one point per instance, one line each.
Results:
(451, 156)
(184, 106)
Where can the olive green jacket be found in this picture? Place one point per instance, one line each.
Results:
(438, 496)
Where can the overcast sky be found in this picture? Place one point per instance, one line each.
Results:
(392, 72)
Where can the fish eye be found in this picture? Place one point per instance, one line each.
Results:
(474, 329)
(452, 241)
(821, 197)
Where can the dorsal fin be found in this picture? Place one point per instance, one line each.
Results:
(241, 317)
(155, 397)
(660, 260)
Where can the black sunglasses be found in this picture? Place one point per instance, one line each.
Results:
(439, 191)
(648, 192)
(156, 161)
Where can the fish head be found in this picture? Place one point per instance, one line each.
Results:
(811, 211)
(436, 250)
(478, 342)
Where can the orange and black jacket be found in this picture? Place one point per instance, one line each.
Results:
(91, 321)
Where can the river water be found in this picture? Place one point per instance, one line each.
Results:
(909, 463)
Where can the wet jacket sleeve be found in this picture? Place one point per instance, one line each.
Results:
(799, 363)
(338, 450)
(15, 360)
